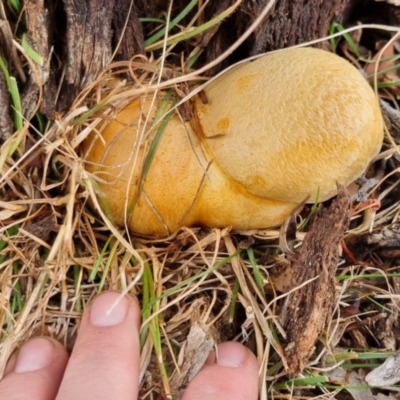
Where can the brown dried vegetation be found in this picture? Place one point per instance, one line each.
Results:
(55, 254)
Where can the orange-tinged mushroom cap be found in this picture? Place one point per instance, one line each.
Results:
(273, 132)
(291, 122)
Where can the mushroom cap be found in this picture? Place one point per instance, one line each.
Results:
(273, 132)
(291, 123)
(183, 186)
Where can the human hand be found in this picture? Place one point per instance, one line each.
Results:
(104, 363)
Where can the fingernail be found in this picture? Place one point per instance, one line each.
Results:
(231, 354)
(108, 309)
(36, 354)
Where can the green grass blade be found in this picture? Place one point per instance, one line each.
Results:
(312, 212)
(15, 96)
(194, 278)
(151, 19)
(33, 55)
(16, 5)
(100, 258)
(161, 33)
(256, 271)
(147, 281)
(336, 27)
(191, 32)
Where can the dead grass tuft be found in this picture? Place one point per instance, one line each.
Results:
(56, 255)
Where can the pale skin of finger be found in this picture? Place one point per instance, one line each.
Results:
(43, 383)
(238, 381)
(105, 360)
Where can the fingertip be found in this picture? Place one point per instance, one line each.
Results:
(36, 369)
(233, 376)
(111, 308)
(233, 354)
(106, 355)
(38, 353)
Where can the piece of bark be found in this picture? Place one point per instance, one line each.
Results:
(289, 22)
(307, 310)
(383, 329)
(89, 36)
(38, 24)
(293, 21)
(128, 34)
(155, 7)
(6, 125)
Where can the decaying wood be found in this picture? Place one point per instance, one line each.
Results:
(89, 36)
(290, 22)
(293, 21)
(128, 33)
(38, 24)
(308, 309)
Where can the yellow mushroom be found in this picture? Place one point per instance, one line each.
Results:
(272, 132)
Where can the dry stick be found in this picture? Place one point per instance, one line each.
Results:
(307, 312)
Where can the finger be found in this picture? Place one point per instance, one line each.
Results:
(234, 376)
(35, 372)
(105, 360)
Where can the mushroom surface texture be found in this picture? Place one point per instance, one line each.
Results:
(268, 134)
